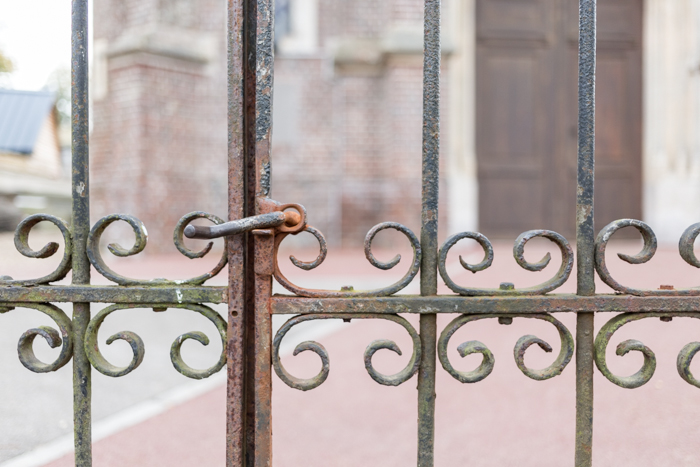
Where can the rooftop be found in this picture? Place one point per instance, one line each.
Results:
(22, 114)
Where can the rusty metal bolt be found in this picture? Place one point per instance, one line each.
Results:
(505, 320)
(507, 286)
(291, 218)
(666, 287)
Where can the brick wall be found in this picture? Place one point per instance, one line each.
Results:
(346, 139)
(159, 132)
(358, 161)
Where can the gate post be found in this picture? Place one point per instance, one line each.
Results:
(249, 394)
(237, 244)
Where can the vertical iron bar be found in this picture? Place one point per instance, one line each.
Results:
(259, 66)
(429, 229)
(585, 231)
(236, 244)
(584, 390)
(80, 230)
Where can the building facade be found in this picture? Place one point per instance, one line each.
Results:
(665, 153)
(32, 176)
(158, 141)
(347, 113)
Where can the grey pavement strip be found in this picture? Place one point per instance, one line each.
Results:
(36, 409)
(133, 415)
(142, 411)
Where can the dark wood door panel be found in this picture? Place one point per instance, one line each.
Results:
(616, 198)
(511, 205)
(527, 106)
(510, 127)
(617, 21)
(514, 113)
(618, 109)
(618, 189)
(514, 19)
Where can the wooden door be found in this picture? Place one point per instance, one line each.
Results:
(526, 131)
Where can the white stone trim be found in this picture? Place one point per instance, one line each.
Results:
(671, 141)
(462, 183)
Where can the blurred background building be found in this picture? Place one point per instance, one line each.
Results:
(32, 176)
(348, 104)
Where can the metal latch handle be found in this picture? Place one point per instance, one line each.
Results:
(285, 221)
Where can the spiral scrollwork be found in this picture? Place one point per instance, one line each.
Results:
(178, 238)
(25, 345)
(647, 252)
(137, 347)
(488, 361)
(648, 368)
(307, 384)
(685, 247)
(140, 241)
(519, 253)
(323, 249)
(22, 245)
(685, 357)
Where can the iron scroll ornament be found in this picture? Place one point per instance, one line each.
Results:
(140, 241)
(488, 362)
(278, 221)
(22, 245)
(685, 248)
(323, 251)
(307, 384)
(23, 230)
(137, 347)
(519, 253)
(644, 375)
(25, 345)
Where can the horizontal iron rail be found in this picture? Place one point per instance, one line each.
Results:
(284, 304)
(456, 304)
(113, 294)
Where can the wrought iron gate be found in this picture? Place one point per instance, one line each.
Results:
(250, 351)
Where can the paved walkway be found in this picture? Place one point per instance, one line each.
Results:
(350, 420)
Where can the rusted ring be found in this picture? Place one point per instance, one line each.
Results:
(300, 221)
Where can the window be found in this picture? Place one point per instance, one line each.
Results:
(296, 27)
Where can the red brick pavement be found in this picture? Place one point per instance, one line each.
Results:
(505, 420)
